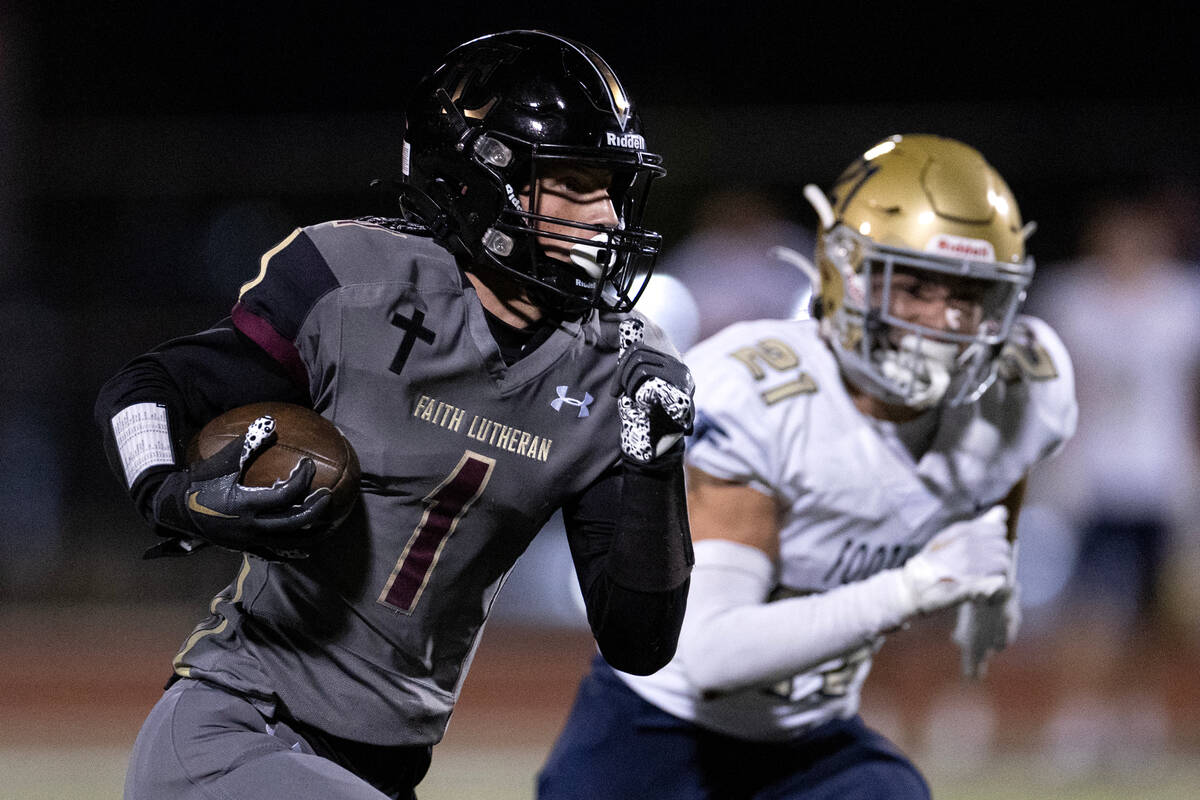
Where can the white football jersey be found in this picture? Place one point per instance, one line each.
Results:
(774, 414)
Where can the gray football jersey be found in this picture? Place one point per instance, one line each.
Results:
(463, 460)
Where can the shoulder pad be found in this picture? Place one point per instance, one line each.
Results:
(292, 276)
(1036, 357)
(654, 336)
(1029, 352)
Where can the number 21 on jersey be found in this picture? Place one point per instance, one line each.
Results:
(444, 508)
(776, 355)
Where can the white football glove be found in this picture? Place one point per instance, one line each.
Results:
(968, 559)
(986, 625)
(654, 396)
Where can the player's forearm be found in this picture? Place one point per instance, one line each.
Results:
(143, 383)
(733, 639)
(632, 549)
(648, 566)
(193, 379)
(652, 546)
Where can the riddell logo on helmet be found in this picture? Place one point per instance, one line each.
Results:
(945, 244)
(633, 140)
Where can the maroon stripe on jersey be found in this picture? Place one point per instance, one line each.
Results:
(277, 346)
(446, 505)
(272, 308)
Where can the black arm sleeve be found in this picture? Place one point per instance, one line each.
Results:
(196, 378)
(632, 550)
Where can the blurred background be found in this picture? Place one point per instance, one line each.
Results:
(149, 153)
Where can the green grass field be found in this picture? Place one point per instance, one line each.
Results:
(500, 773)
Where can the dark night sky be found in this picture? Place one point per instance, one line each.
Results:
(779, 92)
(152, 58)
(299, 103)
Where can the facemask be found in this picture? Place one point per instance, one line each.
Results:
(921, 367)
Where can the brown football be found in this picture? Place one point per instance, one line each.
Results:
(299, 432)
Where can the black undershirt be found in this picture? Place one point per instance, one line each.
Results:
(516, 343)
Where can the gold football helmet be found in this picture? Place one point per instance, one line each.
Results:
(922, 270)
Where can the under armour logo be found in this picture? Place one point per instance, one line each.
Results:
(582, 405)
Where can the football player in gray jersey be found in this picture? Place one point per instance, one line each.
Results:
(480, 353)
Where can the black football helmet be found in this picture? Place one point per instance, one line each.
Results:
(481, 127)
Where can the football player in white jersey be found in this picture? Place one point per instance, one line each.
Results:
(847, 473)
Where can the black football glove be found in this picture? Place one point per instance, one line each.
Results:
(208, 502)
(655, 397)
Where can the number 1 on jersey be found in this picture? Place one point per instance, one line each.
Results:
(444, 507)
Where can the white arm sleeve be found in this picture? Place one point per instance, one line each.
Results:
(733, 638)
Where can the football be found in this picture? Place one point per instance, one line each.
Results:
(299, 432)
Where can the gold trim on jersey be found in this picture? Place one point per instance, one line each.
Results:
(1029, 359)
(262, 263)
(371, 226)
(802, 385)
(180, 668)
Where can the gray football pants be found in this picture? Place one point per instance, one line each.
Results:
(201, 743)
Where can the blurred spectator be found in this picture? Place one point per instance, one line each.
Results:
(728, 263)
(1129, 312)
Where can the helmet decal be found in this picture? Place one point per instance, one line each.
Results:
(616, 94)
(475, 70)
(853, 179)
(965, 247)
(621, 107)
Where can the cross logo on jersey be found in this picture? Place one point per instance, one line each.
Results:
(582, 405)
(413, 330)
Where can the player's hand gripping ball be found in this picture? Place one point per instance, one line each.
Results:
(293, 466)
